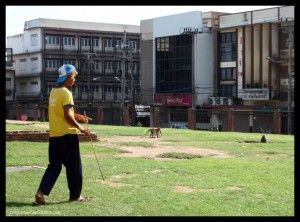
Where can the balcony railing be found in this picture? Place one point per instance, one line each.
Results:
(27, 94)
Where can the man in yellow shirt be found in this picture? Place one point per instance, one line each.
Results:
(63, 141)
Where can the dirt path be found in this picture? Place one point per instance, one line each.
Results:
(156, 147)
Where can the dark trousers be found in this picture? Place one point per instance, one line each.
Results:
(63, 150)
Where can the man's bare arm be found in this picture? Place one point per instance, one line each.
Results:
(68, 114)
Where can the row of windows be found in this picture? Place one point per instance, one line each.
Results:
(55, 63)
(228, 90)
(55, 40)
(173, 64)
(84, 88)
(228, 73)
(228, 46)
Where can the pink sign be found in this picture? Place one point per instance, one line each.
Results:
(173, 99)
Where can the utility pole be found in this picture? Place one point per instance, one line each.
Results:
(89, 61)
(126, 55)
(290, 41)
(123, 44)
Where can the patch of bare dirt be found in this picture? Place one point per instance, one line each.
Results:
(183, 189)
(158, 148)
(19, 122)
(188, 189)
(233, 188)
(114, 181)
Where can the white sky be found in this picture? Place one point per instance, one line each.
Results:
(131, 15)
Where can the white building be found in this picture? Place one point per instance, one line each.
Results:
(46, 44)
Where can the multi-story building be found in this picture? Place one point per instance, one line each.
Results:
(96, 49)
(253, 61)
(204, 69)
(178, 64)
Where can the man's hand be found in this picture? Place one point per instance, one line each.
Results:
(85, 131)
(82, 118)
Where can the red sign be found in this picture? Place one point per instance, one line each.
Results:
(173, 100)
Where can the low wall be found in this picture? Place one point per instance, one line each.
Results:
(39, 136)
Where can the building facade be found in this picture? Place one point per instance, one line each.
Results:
(254, 64)
(98, 50)
(178, 64)
(218, 70)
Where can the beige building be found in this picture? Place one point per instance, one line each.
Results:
(253, 61)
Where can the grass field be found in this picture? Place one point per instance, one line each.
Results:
(253, 179)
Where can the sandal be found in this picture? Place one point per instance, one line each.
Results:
(79, 199)
(39, 199)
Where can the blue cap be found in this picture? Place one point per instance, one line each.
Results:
(64, 71)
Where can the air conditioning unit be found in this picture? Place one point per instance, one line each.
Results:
(226, 101)
(219, 100)
(212, 101)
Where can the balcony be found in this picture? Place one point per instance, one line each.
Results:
(27, 95)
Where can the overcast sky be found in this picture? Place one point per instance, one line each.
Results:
(131, 15)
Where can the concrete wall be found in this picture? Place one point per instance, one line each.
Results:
(68, 24)
(256, 53)
(24, 43)
(146, 72)
(174, 24)
(31, 67)
(203, 66)
(10, 85)
(287, 13)
(147, 29)
(238, 19)
(265, 15)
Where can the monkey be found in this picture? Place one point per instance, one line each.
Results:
(264, 138)
(154, 132)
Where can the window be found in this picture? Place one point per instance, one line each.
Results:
(33, 39)
(228, 90)
(228, 73)
(52, 40)
(96, 42)
(34, 83)
(71, 61)
(108, 42)
(23, 64)
(108, 65)
(132, 44)
(119, 42)
(95, 65)
(228, 46)
(69, 40)
(173, 64)
(34, 63)
(8, 83)
(52, 63)
(85, 42)
(23, 86)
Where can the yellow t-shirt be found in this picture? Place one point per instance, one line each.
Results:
(58, 125)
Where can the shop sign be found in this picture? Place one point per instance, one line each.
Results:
(255, 94)
(173, 100)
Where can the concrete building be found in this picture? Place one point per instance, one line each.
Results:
(253, 61)
(177, 64)
(94, 48)
(217, 70)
